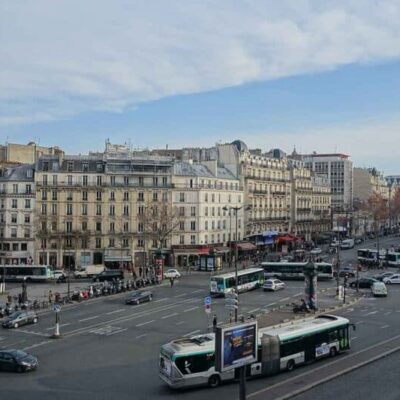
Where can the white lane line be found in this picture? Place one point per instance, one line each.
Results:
(159, 300)
(191, 309)
(88, 318)
(191, 333)
(384, 326)
(387, 313)
(370, 313)
(254, 310)
(358, 322)
(270, 304)
(61, 325)
(285, 299)
(140, 336)
(298, 294)
(37, 345)
(181, 295)
(354, 338)
(397, 310)
(33, 333)
(180, 323)
(169, 316)
(116, 311)
(145, 323)
(115, 332)
(198, 291)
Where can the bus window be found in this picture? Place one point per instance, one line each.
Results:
(195, 363)
(292, 347)
(230, 282)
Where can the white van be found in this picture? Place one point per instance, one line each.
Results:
(347, 244)
(89, 271)
(379, 289)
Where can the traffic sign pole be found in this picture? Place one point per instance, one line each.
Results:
(56, 334)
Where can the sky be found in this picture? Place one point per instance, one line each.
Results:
(319, 75)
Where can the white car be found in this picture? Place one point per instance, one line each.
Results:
(316, 251)
(395, 278)
(273, 284)
(59, 274)
(379, 289)
(172, 273)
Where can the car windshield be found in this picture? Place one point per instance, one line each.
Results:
(16, 314)
(18, 354)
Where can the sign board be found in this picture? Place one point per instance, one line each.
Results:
(207, 308)
(235, 345)
(207, 300)
(56, 308)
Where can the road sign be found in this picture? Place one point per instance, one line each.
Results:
(207, 308)
(207, 301)
(56, 308)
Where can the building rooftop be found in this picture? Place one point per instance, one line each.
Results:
(19, 173)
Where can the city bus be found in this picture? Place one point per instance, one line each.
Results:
(248, 279)
(392, 259)
(294, 270)
(190, 361)
(30, 273)
(370, 256)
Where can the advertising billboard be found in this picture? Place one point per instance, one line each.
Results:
(235, 345)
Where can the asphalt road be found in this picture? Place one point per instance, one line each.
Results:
(110, 350)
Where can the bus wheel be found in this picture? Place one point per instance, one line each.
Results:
(332, 352)
(290, 365)
(214, 381)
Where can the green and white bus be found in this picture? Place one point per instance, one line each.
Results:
(248, 279)
(392, 259)
(30, 273)
(294, 270)
(190, 361)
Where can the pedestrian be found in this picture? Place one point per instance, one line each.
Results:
(214, 322)
(140, 271)
(171, 281)
(20, 299)
(50, 296)
(230, 317)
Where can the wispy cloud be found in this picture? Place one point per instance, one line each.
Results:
(60, 58)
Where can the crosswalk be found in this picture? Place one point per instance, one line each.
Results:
(107, 330)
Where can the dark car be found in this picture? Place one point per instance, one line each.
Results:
(19, 318)
(109, 275)
(363, 283)
(17, 360)
(139, 297)
(349, 271)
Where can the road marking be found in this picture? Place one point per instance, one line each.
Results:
(387, 313)
(145, 323)
(358, 322)
(384, 326)
(191, 309)
(61, 325)
(159, 300)
(2, 338)
(354, 338)
(181, 295)
(180, 323)
(271, 304)
(88, 318)
(107, 330)
(298, 294)
(37, 345)
(118, 331)
(140, 336)
(285, 299)
(198, 291)
(169, 316)
(191, 333)
(116, 311)
(33, 333)
(256, 309)
(370, 313)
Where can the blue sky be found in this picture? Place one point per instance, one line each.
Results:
(312, 75)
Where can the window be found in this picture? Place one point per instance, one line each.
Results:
(165, 196)
(112, 180)
(85, 167)
(112, 210)
(125, 243)
(213, 198)
(165, 181)
(69, 180)
(126, 210)
(68, 226)
(181, 225)
(24, 246)
(155, 196)
(112, 227)
(98, 226)
(206, 225)
(192, 239)
(192, 211)
(98, 209)
(206, 211)
(54, 180)
(70, 166)
(141, 181)
(140, 210)
(182, 197)
(126, 180)
(14, 203)
(84, 180)
(44, 179)
(54, 195)
(140, 243)
(206, 197)
(155, 181)
(84, 226)
(15, 247)
(27, 203)
(126, 196)
(84, 196)
(29, 173)
(54, 226)
(84, 209)
(140, 227)
(69, 209)
(84, 243)
(27, 218)
(28, 189)
(44, 209)
(182, 239)
(181, 211)
(99, 167)
(99, 180)
(140, 196)
(126, 226)
(13, 232)
(193, 225)
(98, 243)
(54, 208)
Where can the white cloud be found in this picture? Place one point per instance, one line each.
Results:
(59, 58)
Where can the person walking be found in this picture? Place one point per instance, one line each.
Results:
(214, 322)
(50, 296)
(171, 281)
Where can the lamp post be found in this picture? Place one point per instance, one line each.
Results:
(310, 275)
(390, 184)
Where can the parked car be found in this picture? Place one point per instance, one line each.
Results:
(172, 273)
(59, 275)
(381, 277)
(358, 240)
(88, 271)
(349, 271)
(395, 278)
(316, 251)
(109, 275)
(141, 296)
(273, 284)
(379, 289)
(363, 283)
(19, 318)
(17, 360)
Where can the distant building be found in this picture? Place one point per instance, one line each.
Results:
(366, 182)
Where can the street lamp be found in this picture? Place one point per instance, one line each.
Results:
(235, 210)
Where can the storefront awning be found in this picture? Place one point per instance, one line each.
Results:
(246, 246)
(287, 239)
(191, 250)
(222, 249)
(117, 258)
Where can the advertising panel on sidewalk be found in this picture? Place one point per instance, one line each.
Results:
(235, 345)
